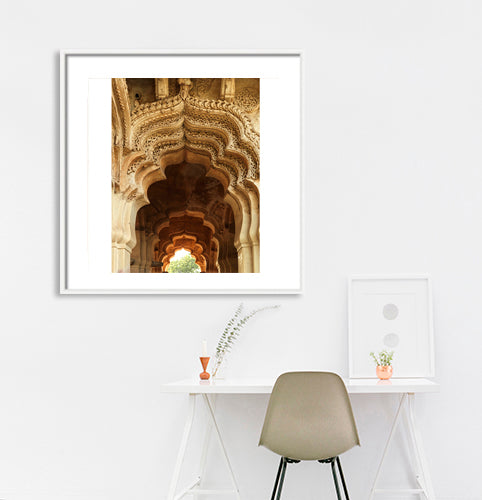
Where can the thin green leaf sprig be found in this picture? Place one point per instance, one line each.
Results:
(383, 358)
(231, 333)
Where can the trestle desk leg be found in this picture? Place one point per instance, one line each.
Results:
(416, 465)
(220, 439)
(387, 446)
(425, 482)
(182, 449)
(205, 448)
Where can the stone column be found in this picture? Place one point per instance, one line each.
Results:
(245, 255)
(121, 259)
(254, 229)
(124, 212)
(142, 252)
(245, 258)
(136, 254)
(151, 240)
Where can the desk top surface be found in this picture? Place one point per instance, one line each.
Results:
(265, 386)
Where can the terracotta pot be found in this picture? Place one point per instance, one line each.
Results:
(384, 372)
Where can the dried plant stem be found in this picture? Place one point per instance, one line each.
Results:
(231, 333)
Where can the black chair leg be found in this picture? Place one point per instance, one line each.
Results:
(345, 489)
(275, 489)
(335, 479)
(282, 478)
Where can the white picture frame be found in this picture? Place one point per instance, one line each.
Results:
(85, 204)
(394, 313)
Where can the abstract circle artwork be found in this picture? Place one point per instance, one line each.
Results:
(391, 340)
(390, 311)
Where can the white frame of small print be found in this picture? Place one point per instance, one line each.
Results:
(85, 77)
(394, 313)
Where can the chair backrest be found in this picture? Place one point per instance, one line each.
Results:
(309, 417)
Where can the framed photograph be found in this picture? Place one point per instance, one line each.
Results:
(180, 172)
(393, 313)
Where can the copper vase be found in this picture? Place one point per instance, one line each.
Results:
(384, 372)
(204, 375)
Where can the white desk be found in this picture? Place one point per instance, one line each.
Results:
(406, 388)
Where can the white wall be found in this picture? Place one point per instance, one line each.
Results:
(393, 178)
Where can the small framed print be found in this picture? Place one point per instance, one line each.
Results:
(180, 171)
(393, 313)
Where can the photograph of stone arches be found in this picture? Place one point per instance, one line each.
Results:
(186, 175)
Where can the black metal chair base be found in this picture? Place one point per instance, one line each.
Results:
(280, 477)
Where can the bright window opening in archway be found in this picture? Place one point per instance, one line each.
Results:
(183, 262)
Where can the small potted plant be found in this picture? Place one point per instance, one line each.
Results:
(383, 360)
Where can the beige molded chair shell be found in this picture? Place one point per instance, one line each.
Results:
(309, 417)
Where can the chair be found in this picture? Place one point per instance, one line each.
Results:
(309, 417)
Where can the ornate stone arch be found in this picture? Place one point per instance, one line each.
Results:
(183, 128)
